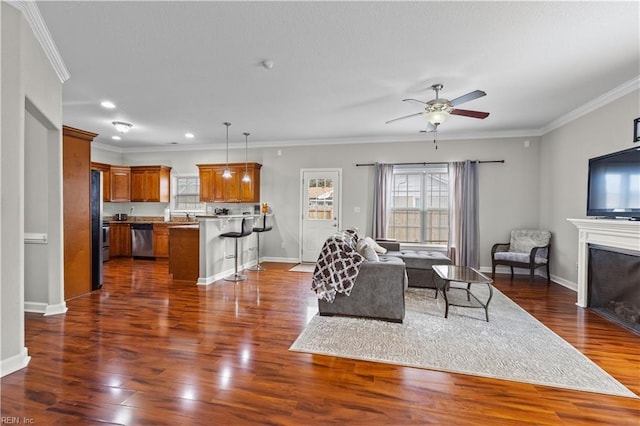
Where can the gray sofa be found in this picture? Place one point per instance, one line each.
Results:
(418, 263)
(378, 292)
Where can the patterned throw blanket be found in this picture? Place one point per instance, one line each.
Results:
(336, 269)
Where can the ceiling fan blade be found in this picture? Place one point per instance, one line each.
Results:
(467, 113)
(466, 98)
(402, 118)
(414, 100)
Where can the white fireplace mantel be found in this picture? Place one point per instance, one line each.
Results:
(622, 234)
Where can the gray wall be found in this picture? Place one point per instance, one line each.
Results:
(508, 192)
(565, 153)
(29, 82)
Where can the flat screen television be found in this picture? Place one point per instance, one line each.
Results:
(614, 185)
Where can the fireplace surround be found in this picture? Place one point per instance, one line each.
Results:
(616, 234)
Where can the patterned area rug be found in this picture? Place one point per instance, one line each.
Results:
(513, 345)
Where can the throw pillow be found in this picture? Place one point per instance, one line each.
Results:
(366, 251)
(377, 247)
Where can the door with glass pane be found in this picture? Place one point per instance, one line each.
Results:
(320, 210)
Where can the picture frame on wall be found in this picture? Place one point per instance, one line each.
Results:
(636, 130)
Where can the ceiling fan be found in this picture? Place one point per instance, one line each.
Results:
(437, 110)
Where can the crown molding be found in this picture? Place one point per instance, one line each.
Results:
(33, 17)
(326, 142)
(600, 101)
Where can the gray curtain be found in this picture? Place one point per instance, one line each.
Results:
(463, 214)
(382, 181)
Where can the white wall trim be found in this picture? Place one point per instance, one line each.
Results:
(600, 101)
(281, 259)
(35, 307)
(14, 363)
(33, 17)
(564, 283)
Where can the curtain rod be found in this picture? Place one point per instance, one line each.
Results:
(425, 164)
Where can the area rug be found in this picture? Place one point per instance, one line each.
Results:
(303, 267)
(513, 345)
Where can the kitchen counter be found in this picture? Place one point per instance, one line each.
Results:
(214, 249)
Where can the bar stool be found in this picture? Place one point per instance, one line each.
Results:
(266, 226)
(247, 228)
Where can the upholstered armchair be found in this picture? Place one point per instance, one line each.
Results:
(526, 249)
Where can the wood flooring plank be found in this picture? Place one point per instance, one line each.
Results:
(149, 350)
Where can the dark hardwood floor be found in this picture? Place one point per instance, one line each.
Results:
(147, 350)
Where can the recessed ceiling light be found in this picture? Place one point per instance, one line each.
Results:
(172, 143)
(116, 138)
(108, 104)
(189, 135)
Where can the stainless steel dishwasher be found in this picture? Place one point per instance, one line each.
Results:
(142, 240)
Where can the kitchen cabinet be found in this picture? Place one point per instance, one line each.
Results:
(120, 239)
(76, 200)
(215, 188)
(120, 183)
(184, 252)
(151, 183)
(106, 179)
(160, 240)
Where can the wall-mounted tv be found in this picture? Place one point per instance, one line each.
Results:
(614, 185)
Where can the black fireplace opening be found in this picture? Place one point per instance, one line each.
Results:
(614, 285)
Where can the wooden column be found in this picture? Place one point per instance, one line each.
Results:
(76, 192)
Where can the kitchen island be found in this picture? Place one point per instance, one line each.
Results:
(215, 262)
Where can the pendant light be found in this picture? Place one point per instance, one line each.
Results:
(227, 173)
(246, 178)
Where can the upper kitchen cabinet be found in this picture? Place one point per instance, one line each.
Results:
(106, 179)
(215, 188)
(151, 183)
(120, 177)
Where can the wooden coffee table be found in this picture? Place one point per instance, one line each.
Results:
(461, 274)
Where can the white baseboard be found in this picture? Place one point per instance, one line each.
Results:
(14, 363)
(539, 272)
(58, 309)
(44, 308)
(220, 275)
(281, 259)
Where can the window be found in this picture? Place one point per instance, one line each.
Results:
(420, 204)
(320, 195)
(187, 194)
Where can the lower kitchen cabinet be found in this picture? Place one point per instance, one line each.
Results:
(120, 244)
(160, 240)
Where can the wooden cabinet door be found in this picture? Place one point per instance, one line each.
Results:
(250, 191)
(160, 240)
(120, 183)
(150, 183)
(106, 179)
(120, 244)
(232, 186)
(138, 187)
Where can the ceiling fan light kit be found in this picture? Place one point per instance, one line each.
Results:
(437, 110)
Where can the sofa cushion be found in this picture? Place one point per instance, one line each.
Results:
(524, 240)
(517, 257)
(420, 259)
(363, 247)
(374, 245)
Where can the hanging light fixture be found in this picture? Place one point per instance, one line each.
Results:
(121, 126)
(227, 173)
(246, 178)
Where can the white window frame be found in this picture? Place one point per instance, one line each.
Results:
(174, 194)
(414, 170)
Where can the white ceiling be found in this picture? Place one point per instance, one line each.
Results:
(340, 69)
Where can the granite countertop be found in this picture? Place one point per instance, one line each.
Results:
(156, 220)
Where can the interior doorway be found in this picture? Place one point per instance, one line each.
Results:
(320, 211)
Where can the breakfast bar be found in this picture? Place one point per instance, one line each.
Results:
(216, 253)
